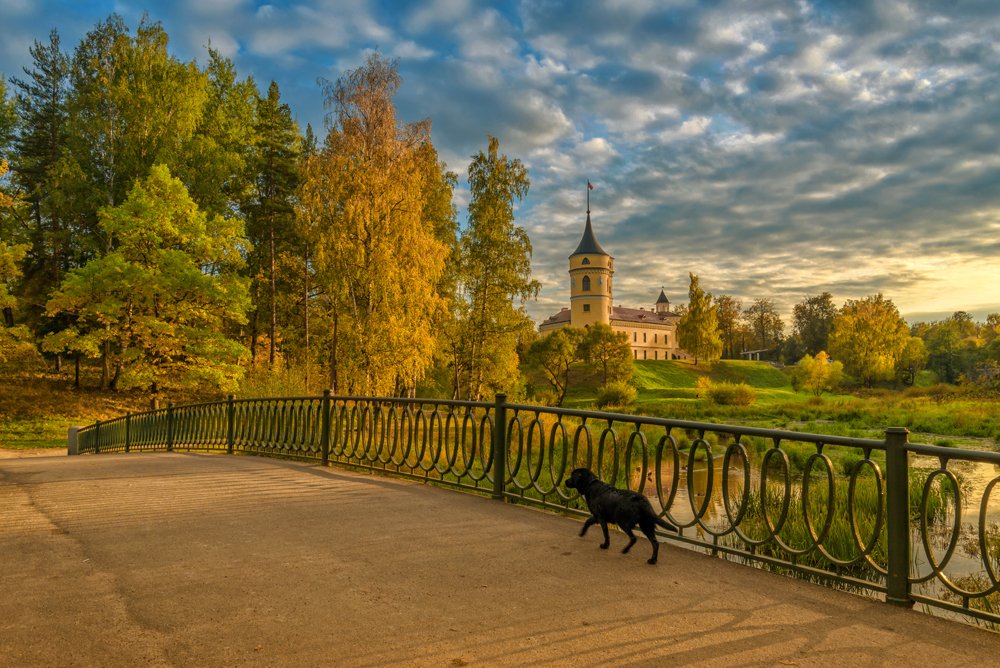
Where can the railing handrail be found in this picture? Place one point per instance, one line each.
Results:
(509, 451)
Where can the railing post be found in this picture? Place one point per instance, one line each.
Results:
(128, 430)
(897, 486)
(170, 426)
(97, 437)
(499, 445)
(230, 424)
(73, 441)
(324, 439)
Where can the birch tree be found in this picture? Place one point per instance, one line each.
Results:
(378, 261)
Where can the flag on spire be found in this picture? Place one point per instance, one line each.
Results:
(590, 186)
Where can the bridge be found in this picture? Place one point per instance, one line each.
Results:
(178, 558)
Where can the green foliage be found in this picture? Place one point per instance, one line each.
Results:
(8, 120)
(698, 328)
(610, 351)
(812, 320)
(14, 340)
(157, 305)
(274, 177)
(817, 374)
(869, 337)
(731, 394)
(494, 278)
(616, 394)
(763, 324)
(553, 356)
(732, 331)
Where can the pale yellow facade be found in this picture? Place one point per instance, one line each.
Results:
(652, 333)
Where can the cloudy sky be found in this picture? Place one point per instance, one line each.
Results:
(775, 148)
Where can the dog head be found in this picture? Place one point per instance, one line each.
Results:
(580, 479)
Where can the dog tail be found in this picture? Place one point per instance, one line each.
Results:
(666, 525)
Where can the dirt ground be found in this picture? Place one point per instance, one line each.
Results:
(176, 559)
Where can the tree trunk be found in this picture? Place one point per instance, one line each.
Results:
(253, 335)
(333, 356)
(274, 316)
(106, 365)
(305, 307)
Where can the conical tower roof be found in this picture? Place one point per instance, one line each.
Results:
(588, 244)
(662, 299)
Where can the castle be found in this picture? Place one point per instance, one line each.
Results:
(651, 333)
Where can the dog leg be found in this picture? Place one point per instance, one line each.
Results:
(586, 525)
(651, 535)
(631, 540)
(607, 538)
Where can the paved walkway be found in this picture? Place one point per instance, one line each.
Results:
(202, 560)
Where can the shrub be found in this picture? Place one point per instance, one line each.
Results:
(732, 394)
(702, 386)
(616, 394)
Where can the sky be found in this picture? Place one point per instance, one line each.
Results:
(777, 149)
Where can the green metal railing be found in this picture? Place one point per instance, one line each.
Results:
(828, 508)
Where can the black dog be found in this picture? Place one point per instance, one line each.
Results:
(618, 506)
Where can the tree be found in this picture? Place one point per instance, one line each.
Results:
(913, 359)
(494, 276)
(12, 337)
(698, 329)
(610, 350)
(554, 356)
(869, 337)
(41, 142)
(377, 261)
(811, 320)
(271, 214)
(818, 374)
(117, 125)
(951, 346)
(764, 323)
(157, 305)
(732, 331)
(8, 121)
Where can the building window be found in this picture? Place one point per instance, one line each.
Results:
(654, 337)
(586, 283)
(586, 308)
(586, 260)
(656, 355)
(644, 337)
(635, 337)
(635, 353)
(643, 354)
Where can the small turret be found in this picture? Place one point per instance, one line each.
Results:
(662, 303)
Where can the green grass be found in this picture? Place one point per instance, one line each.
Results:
(669, 390)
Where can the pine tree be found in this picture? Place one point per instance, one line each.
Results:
(271, 212)
(41, 142)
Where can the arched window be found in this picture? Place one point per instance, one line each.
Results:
(586, 260)
(586, 283)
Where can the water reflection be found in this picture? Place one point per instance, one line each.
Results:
(685, 505)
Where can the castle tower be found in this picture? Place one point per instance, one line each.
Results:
(590, 273)
(662, 303)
